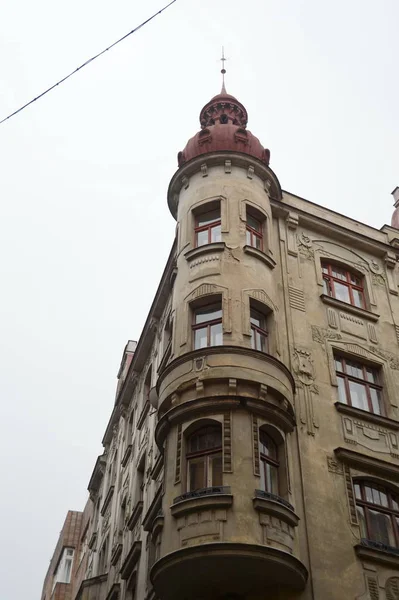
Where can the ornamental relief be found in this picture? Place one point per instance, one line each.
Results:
(306, 388)
(392, 588)
(373, 437)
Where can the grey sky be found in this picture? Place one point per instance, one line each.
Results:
(84, 225)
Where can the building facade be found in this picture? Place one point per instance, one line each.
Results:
(253, 447)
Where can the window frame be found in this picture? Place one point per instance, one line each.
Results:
(329, 281)
(265, 461)
(206, 454)
(255, 329)
(253, 233)
(364, 382)
(208, 227)
(206, 324)
(366, 505)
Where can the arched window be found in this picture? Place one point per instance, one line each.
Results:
(344, 285)
(378, 513)
(204, 458)
(268, 463)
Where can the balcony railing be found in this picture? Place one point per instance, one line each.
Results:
(274, 497)
(379, 546)
(209, 491)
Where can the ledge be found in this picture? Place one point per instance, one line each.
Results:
(345, 306)
(261, 255)
(377, 552)
(107, 500)
(357, 413)
(204, 499)
(205, 249)
(131, 560)
(275, 508)
(126, 456)
(117, 551)
(368, 463)
(136, 512)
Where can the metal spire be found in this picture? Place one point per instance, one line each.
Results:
(223, 71)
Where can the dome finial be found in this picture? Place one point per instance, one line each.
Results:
(223, 71)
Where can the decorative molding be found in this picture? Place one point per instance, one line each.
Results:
(199, 503)
(379, 423)
(334, 466)
(178, 454)
(227, 166)
(332, 318)
(391, 589)
(204, 170)
(372, 332)
(227, 436)
(250, 172)
(107, 500)
(296, 298)
(319, 334)
(372, 585)
(185, 182)
(352, 325)
(268, 260)
(305, 246)
(134, 517)
(378, 555)
(153, 510)
(292, 221)
(127, 455)
(368, 464)
(346, 307)
(303, 368)
(350, 495)
(200, 251)
(255, 445)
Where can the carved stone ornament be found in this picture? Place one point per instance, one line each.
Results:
(334, 466)
(392, 588)
(378, 279)
(321, 335)
(305, 246)
(392, 359)
(304, 369)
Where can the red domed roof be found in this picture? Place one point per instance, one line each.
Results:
(223, 128)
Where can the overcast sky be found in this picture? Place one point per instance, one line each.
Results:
(84, 225)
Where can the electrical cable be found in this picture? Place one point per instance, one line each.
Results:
(88, 62)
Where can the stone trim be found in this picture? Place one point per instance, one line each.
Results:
(201, 503)
(378, 555)
(179, 442)
(368, 464)
(344, 306)
(136, 512)
(268, 260)
(270, 507)
(255, 445)
(364, 415)
(227, 445)
(107, 500)
(205, 249)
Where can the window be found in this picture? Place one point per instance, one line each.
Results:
(358, 385)
(64, 568)
(268, 463)
(147, 387)
(378, 513)
(208, 228)
(102, 559)
(254, 232)
(207, 326)
(343, 285)
(204, 458)
(258, 331)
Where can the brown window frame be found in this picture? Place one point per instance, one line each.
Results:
(254, 234)
(208, 227)
(206, 324)
(330, 281)
(265, 460)
(205, 454)
(262, 331)
(364, 382)
(387, 510)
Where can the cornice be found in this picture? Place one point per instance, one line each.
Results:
(346, 307)
(368, 464)
(364, 415)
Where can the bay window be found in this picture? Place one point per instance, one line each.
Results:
(269, 463)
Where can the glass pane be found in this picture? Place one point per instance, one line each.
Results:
(381, 527)
(324, 268)
(271, 475)
(196, 474)
(384, 499)
(355, 280)
(358, 298)
(395, 504)
(216, 234)
(342, 292)
(200, 338)
(210, 313)
(371, 377)
(262, 342)
(216, 335)
(339, 273)
(255, 318)
(258, 242)
(206, 439)
(376, 496)
(202, 237)
(354, 370)
(254, 223)
(338, 364)
(248, 239)
(341, 390)
(216, 469)
(267, 446)
(375, 401)
(358, 492)
(208, 217)
(253, 339)
(358, 395)
(362, 521)
(369, 494)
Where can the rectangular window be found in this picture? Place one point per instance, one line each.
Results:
(358, 385)
(207, 326)
(254, 232)
(258, 331)
(208, 228)
(343, 285)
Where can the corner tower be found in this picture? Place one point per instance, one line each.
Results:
(225, 400)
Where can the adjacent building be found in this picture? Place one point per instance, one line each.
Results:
(252, 451)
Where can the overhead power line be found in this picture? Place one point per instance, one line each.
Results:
(88, 62)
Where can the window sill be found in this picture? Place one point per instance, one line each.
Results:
(202, 500)
(205, 249)
(355, 310)
(143, 414)
(366, 416)
(277, 507)
(126, 456)
(261, 255)
(380, 553)
(136, 512)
